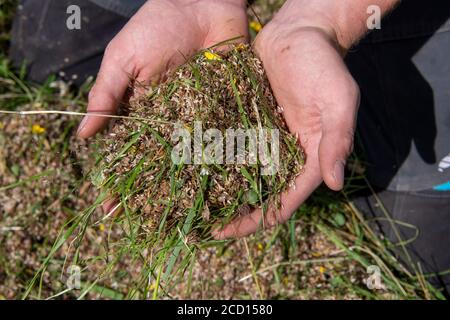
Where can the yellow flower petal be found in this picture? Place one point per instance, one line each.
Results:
(240, 46)
(211, 56)
(256, 26)
(37, 129)
(322, 269)
(101, 227)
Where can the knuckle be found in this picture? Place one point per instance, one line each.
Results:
(113, 53)
(275, 217)
(348, 140)
(109, 49)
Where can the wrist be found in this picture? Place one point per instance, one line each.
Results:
(343, 21)
(285, 33)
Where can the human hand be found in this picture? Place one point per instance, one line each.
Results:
(304, 64)
(160, 36)
(157, 38)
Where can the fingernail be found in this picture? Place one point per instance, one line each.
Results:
(82, 125)
(339, 172)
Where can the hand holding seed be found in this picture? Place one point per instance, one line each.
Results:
(161, 36)
(302, 50)
(320, 101)
(158, 38)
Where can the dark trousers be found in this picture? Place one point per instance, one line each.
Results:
(403, 71)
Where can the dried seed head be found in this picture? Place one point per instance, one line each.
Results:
(221, 91)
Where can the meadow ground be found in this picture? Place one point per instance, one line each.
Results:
(52, 229)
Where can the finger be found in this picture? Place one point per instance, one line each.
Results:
(243, 226)
(107, 93)
(111, 207)
(338, 127)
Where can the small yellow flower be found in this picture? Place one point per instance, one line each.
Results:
(101, 227)
(188, 128)
(211, 56)
(240, 46)
(260, 247)
(37, 129)
(322, 269)
(256, 26)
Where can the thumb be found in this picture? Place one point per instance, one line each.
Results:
(336, 144)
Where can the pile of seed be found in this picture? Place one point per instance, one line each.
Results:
(221, 91)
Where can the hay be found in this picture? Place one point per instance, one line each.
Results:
(212, 90)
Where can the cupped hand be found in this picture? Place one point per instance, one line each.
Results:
(158, 37)
(320, 99)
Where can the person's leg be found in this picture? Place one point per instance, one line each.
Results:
(403, 71)
(421, 222)
(41, 39)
